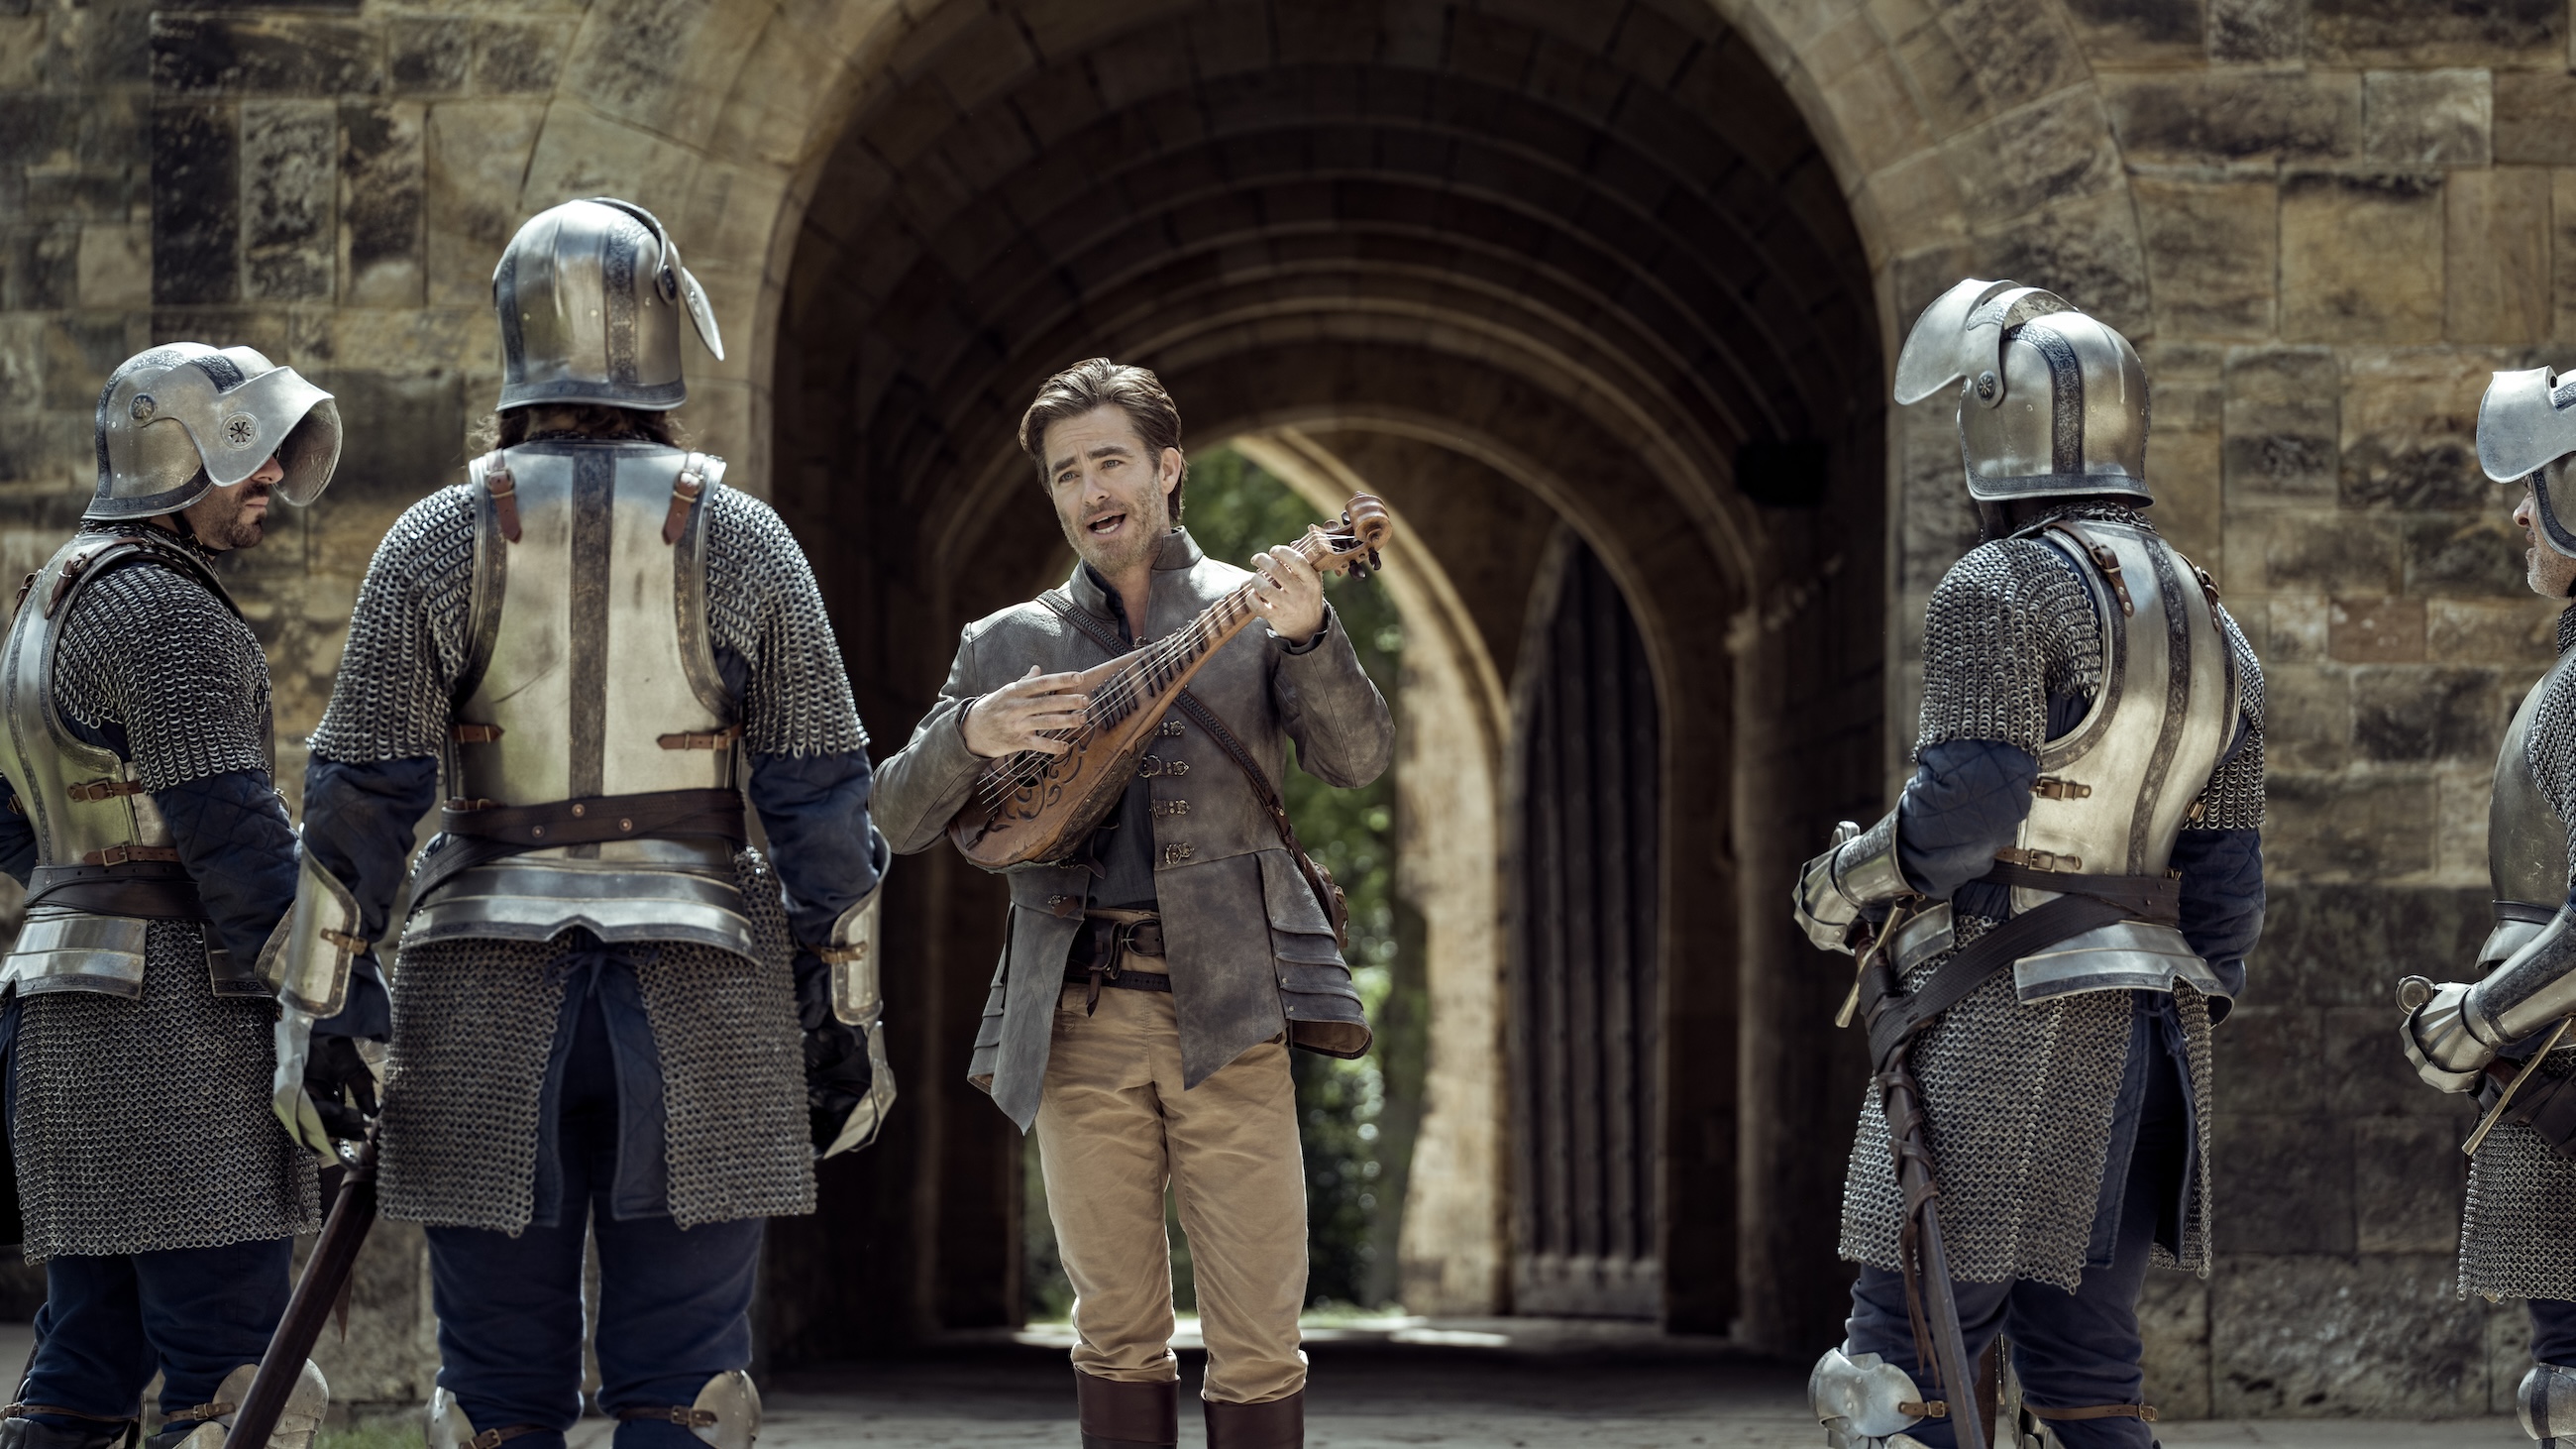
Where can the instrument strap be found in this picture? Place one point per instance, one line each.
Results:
(1328, 893)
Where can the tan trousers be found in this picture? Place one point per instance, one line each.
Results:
(1113, 1127)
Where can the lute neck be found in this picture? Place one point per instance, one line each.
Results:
(1164, 663)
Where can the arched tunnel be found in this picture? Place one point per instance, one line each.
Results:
(1572, 288)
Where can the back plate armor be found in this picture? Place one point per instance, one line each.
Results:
(2115, 791)
(106, 866)
(591, 678)
(2526, 839)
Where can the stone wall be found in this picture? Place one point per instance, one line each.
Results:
(2324, 221)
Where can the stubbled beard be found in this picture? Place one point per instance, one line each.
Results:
(1111, 556)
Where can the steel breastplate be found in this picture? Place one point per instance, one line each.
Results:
(81, 800)
(594, 677)
(2116, 790)
(2526, 840)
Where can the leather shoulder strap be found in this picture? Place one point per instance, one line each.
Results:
(122, 549)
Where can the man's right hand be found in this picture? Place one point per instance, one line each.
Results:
(1019, 715)
(2439, 1043)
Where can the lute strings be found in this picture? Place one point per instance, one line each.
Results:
(1142, 679)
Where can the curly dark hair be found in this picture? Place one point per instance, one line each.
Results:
(509, 429)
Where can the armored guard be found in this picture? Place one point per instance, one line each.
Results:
(2052, 916)
(1152, 988)
(154, 1185)
(2501, 1036)
(606, 1016)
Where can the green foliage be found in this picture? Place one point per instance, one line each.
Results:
(404, 1432)
(1358, 1117)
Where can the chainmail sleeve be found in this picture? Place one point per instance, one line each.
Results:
(2010, 625)
(408, 638)
(148, 650)
(2234, 799)
(764, 607)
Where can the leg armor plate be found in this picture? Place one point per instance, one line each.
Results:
(1864, 1402)
(725, 1415)
(2546, 1401)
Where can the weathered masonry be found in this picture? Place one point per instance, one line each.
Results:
(1602, 296)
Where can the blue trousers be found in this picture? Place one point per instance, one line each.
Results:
(674, 1306)
(2071, 1350)
(2553, 1332)
(191, 1315)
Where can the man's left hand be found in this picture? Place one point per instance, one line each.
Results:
(1288, 593)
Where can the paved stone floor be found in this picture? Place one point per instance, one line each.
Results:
(1452, 1384)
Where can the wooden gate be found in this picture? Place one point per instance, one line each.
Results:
(1586, 990)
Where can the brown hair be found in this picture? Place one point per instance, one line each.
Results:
(510, 429)
(1100, 382)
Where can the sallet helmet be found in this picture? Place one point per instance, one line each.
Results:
(2053, 403)
(589, 295)
(182, 418)
(2526, 422)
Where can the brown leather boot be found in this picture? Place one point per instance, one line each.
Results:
(1278, 1424)
(1119, 1415)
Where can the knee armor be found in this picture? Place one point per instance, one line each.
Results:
(726, 1413)
(2546, 1402)
(1864, 1402)
(207, 1425)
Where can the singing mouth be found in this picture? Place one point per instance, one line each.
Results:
(1106, 524)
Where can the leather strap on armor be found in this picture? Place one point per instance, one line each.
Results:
(123, 854)
(683, 1415)
(481, 833)
(152, 891)
(2145, 897)
(1892, 1016)
(495, 1438)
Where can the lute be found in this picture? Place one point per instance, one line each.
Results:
(1036, 806)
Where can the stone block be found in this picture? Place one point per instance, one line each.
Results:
(306, 55)
(2361, 827)
(2271, 1058)
(2473, 557)
(381, 261)
(2283, 424)
(2284, 1183)
(2377, 631)
(116, 265)
(2295, 1336)
(22, 362)
(2508, 1355)
(2517, 632)
(79, 352)
(2408, 32)
(2408, 1177)
(2387, 291)
(290, 187)
(2535, 118)
(196, 204)
(2307, 714)
(2359, 1053)
(474, 157)
(2421, 120)
(2173, 1319)
(40, 268)
(2086, 251)
(2344, 946)
(2212, 252)
(2190, 119)
(514, 57)
(2562, 234)
(2183, 464)
(2333, 554)
(54, 448)
(2057, 149)
(2010, 52)
(2256, 32)
(2410, 432)
(2295, 629)
(2413, 713)
(2134, 32)
(429, 55)
(648, 62)
(2496, 258)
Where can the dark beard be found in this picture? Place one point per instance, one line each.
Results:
(1148, 541)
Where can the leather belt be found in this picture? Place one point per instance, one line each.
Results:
(602, 817)
(1103, 942)
(149, 890)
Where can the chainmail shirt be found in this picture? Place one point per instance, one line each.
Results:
(474, 1019)
(2518, 1229)
(144, 1124)
(2020, 1099)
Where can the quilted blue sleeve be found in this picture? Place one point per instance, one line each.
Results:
(1965, 802)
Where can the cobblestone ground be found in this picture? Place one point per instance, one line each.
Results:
(1492, 1383)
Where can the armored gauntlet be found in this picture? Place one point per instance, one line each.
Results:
(2453, 1036)
(306, 964)
(1859, 872)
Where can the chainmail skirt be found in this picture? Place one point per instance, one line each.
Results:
(2518, 1231)
(474, 1026)
(144, 1125)
(2019, 1103)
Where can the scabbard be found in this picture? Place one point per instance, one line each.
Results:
(1939, 1307)
(335, 1257)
